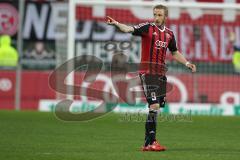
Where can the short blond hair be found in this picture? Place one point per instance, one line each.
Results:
(160, 6)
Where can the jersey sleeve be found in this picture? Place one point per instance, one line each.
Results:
(141, 29)
(172, 46)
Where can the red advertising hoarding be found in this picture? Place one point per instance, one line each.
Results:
(35, 86)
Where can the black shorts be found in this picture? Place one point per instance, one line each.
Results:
(154, 87)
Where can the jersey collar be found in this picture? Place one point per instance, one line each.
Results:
(162, 30)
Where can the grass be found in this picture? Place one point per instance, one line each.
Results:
(37, 135)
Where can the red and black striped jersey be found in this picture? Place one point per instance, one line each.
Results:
(155, 42)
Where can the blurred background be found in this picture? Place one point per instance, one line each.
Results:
(35, 40)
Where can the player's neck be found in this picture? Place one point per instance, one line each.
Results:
(161, 26)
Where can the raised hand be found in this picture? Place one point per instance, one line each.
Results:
(111, 21)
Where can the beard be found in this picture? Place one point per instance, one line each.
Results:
(160, 23)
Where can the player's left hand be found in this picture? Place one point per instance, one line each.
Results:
(192, 67)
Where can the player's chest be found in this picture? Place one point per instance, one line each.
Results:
(158, 39)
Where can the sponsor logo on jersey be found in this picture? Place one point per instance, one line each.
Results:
(160, 44)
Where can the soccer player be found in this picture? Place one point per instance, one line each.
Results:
(156, 38)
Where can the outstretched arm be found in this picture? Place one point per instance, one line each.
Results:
(122, 27)
(181, 59)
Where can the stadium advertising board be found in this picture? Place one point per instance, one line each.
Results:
(199, 37)
(35, 86)
(171, 108)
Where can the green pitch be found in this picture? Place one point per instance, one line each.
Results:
(35, 135)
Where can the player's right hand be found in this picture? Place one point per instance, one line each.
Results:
(111, 21)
